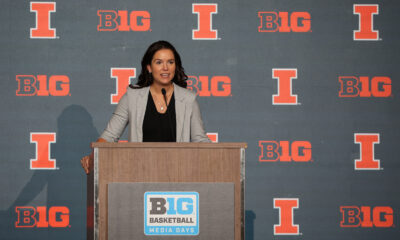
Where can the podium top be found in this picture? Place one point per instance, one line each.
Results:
(166, 145)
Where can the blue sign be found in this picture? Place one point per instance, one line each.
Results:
(171, 213)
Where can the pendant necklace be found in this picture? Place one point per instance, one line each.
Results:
(162, 108)
(159, 104)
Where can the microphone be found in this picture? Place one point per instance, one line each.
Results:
(164, 93)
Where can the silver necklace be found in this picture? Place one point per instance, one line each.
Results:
(159, 104)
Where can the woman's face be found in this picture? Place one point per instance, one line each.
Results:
(162, 67)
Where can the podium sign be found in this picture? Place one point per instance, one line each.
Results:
(167, 210)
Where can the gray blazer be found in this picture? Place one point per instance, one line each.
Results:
(132, 107)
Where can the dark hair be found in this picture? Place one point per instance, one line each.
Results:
(145, 77)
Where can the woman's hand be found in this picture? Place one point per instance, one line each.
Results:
(87, 163)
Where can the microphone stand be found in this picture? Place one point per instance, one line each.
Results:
(164, 93)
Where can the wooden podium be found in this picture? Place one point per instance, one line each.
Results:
(162, 162)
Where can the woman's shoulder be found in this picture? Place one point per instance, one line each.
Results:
(184, 94)
(134, 90)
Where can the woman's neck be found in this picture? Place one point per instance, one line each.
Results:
(156, 88)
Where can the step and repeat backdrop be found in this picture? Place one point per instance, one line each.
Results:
(310, 85)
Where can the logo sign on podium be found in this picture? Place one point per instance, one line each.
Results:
(171, 213)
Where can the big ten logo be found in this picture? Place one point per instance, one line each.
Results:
(42, 85)
(284, 77)
(205, 29)
(286, 224)
(213, 137)
(284, 22)
(366, 14)
(171, 213)
(123, 77)
(351, 86)
(204, 86)
(285, 151)
(42, 160)
(42, 217)
(43, 27)
(123, 21)
(367, 159)
(366, 216)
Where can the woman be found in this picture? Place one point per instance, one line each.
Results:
(158, 108)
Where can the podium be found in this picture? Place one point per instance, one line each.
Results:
(162, 163)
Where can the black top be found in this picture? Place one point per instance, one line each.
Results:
(159, 127)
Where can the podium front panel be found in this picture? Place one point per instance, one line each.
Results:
(166, 211)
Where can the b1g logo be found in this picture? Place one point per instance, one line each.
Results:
(366, 216)
(41, 85)
(42, 160)
(367, 159)
(204, 86)
(123, 77)
(286, 224)
(123, 21)
(171, 213)
(366, 14)
(285, 151)
(41, 217)
(284, 22)
(204, 29)
(43, 27)
(351, 86)
(285, 95)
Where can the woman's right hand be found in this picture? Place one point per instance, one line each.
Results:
(87, 163)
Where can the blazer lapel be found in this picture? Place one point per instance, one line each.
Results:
(180, 108)
(141, 104)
